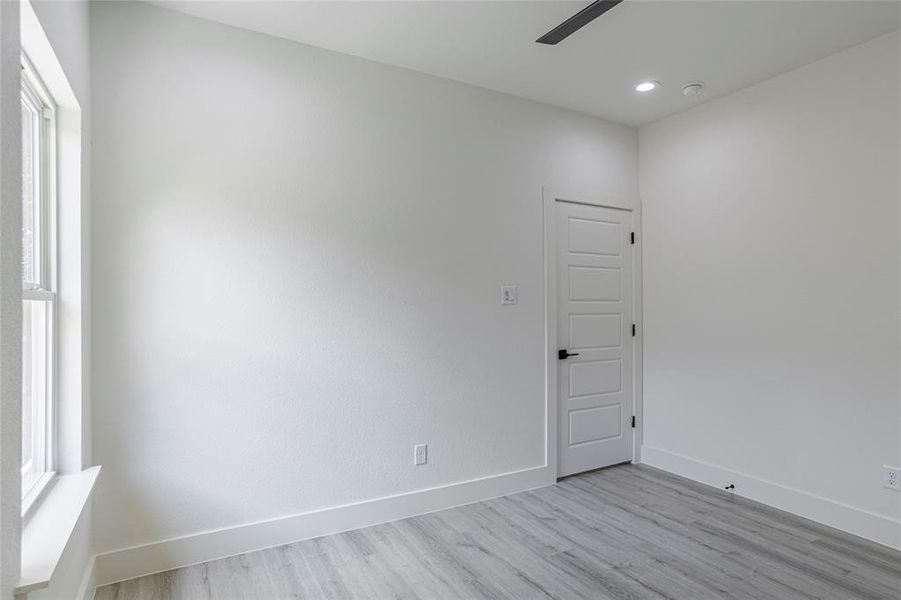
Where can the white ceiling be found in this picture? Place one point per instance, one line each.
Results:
(728, 44)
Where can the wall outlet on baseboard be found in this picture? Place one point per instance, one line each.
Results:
(891, 477)
(420, 454)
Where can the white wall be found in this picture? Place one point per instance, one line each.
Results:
(10, 300)
(299, 257)
(66, 23)
(771, 297)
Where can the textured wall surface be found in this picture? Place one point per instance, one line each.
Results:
(771, 279)
(10, 299)
(298, 258)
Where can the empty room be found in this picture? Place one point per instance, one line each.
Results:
(439, 300)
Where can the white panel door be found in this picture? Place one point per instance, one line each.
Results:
(594, 327)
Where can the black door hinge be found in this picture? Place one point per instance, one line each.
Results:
(633, 421)
(633, 237)
(633, 329)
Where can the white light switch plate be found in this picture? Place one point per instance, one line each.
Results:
(420, 454)
(509, 294)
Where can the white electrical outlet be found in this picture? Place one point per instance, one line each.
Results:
(420, 454)
(509, 294)
(891, 478)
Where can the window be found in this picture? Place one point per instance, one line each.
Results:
(39, 297)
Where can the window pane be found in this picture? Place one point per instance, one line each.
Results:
(38, 294)
(35, 364)
(27, 392)
(30, 199)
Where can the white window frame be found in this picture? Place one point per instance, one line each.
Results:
(40, 471)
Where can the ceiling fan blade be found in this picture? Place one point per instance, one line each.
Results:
(577, 21)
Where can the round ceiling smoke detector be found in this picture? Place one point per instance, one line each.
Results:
(693, 88)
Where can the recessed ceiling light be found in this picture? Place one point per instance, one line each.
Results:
(647, 86)
(693, 88)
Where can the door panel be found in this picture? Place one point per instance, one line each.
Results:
(594, 319)
(595, 331)
(596, 377)
(588, 236)
(594, 424)
(593, 284)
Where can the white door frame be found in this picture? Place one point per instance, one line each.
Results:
(549, 198)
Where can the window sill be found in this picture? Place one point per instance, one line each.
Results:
(38, 491)
(47, 532)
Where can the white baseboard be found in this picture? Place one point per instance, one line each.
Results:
(155, 557)
(869, 525)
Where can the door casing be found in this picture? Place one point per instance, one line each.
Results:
(549, 199)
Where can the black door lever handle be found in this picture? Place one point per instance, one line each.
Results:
(564, 354)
